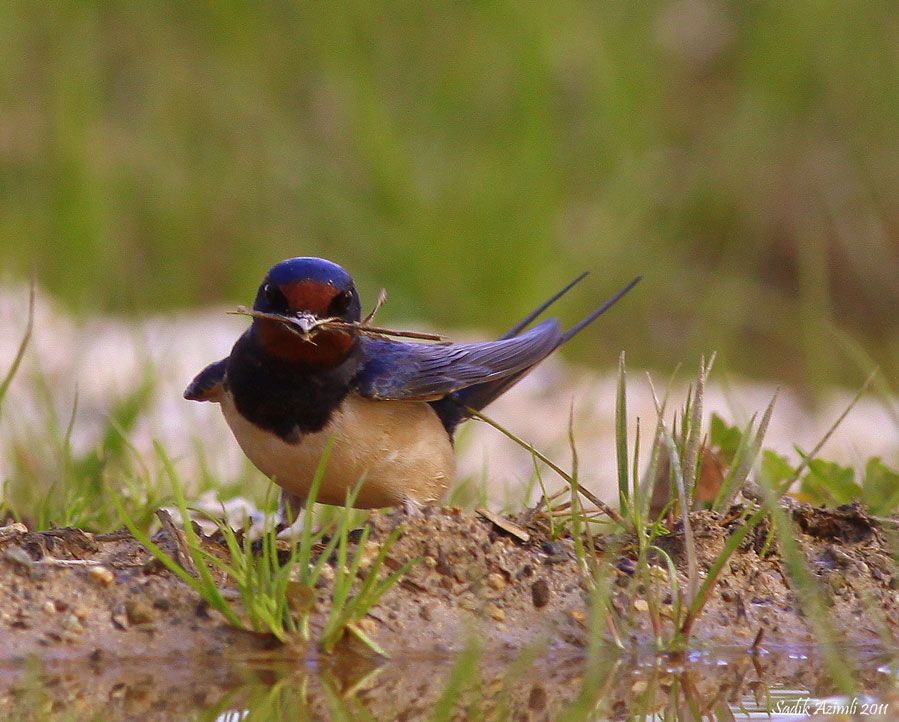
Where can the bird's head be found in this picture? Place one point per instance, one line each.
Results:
(296, 296)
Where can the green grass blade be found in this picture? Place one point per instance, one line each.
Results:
(813, 454)
(809, 593)
(306, 536)
(698, 601)
(693, 442)
(621, 437)
(605, 508)
(211, 593)
(638, 514)
(739, 468)
(677, 475)
(739, 471)
(462, 676)
(23, 345)
(208, 593)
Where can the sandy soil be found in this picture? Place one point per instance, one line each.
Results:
(66, 590)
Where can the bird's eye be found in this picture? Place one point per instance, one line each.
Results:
(272, 294)
(341, 303)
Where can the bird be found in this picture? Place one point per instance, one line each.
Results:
(309, 375)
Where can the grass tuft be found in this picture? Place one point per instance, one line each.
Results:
(277, 587)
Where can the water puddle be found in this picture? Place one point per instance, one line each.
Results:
(778, 685)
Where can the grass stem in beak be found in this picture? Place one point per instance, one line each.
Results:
(307, 324)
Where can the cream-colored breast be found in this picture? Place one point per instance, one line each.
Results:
(399, 447)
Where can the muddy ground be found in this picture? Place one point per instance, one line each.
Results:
(110, 626)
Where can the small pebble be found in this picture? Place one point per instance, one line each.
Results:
(49, 607)
(71, 624)
(468, 602)
(537, 699)
(496, 613)
(14, 529)
(327, 573)
(496, 581)
(139, 610)
(836, 581)
(472, 573)
(660, 574)
(101, 575)
(540, 593)
(554, 551)
(368, 554)
(15, 554)
(641, 605)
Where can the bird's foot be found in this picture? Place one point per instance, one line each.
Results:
(412, 508)
(291, 532)
(291, 516)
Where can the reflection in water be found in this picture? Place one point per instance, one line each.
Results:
(533, 685)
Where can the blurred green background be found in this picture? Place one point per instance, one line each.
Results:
(472, 157)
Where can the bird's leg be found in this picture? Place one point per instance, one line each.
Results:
(289, 509)
(411, 507)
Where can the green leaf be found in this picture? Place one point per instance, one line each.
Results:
(725, 438)
(880, 489)
(775, 468)
(827, 482)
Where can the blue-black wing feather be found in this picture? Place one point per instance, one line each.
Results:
(207, 384)
(407, 371)
(453, 408)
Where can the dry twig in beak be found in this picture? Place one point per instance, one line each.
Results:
(338, 325)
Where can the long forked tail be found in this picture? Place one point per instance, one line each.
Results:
(591, 317)
(533, 315)
(452, 409)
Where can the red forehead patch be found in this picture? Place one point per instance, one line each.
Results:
(325, 350)
(309, 295)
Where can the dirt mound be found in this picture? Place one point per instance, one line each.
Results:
(66, 592)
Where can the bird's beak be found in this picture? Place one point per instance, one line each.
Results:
(306, 322)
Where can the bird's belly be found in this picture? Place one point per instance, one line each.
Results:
(399, 448)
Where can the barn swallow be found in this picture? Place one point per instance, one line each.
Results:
(294, 380)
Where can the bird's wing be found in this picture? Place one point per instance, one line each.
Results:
(409, 371)
(209, 384)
